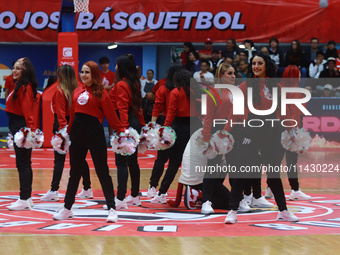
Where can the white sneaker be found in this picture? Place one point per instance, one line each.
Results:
(120, 205)
(85, 194)
(207, 208)
(113, 216)
(298, 195)
(31, 202)
(231, 217)
(243, 206)
(269, 193)
(248, 198)
(151, 192)
(261, 203)
(20, 205)
(50, 196)
(159, 199)
(63, 214)
(134, 201)
(287, 216)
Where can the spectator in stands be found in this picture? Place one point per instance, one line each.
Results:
(194, 63)
(311, 52)
(108, 77)
(249, 47)
(310, 89)
(204, 75)
(331, 71)
(52, 79)
(215, 61)
(328, 91)
(244, 73)
(331, 50)
(148, 98)
(206, 52)
(139, 69)
(317, 66)
(337, 61)
(276, 54)
(295, 56)
(185, 53)
(265, 50)
(231, 51)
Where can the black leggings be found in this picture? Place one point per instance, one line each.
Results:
(59, 162)
(87, 133)
(128, 164)
(181, 125)
(22, 157)
(267, 141)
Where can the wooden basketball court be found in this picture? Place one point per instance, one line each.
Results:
(199, 240)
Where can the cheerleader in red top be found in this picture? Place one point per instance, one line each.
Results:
(264, 140)
(19, 108)
(61, 103)
(291, 78)
(90, 104)
(182, 115)
(161, 105)
(126, 96)
(215, 194)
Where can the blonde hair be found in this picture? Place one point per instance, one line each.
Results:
(221, 69)
(67, 81)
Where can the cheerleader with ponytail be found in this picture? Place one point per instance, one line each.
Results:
(61, 103)
(19, 108)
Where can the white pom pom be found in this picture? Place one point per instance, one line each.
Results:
(162, 138)
(210, 153)
(296, 140)
(61, 141)
(20, 137)
(10, 141)
(126, 143)
(222, 142)
(39, 139)
(147, 136)
(25, 138)
(323, 3)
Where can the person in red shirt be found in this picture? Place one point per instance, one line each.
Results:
(90, 104)
(161, 106)
(108, 79)
(264, 140)
(291, 78)
(182, 116)
(126, 97)
(61, 103)
(19, 108)
(206, 52)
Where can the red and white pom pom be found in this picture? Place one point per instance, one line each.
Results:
(61, 141)
(296, 140)
(210, 153)
(222, 142)
(10, 141)
(39, 138)
(162, 138)
(126, 142)
(25, 138)
(146, 136)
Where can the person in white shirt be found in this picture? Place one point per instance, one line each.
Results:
(204, 75)
(316, 67)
